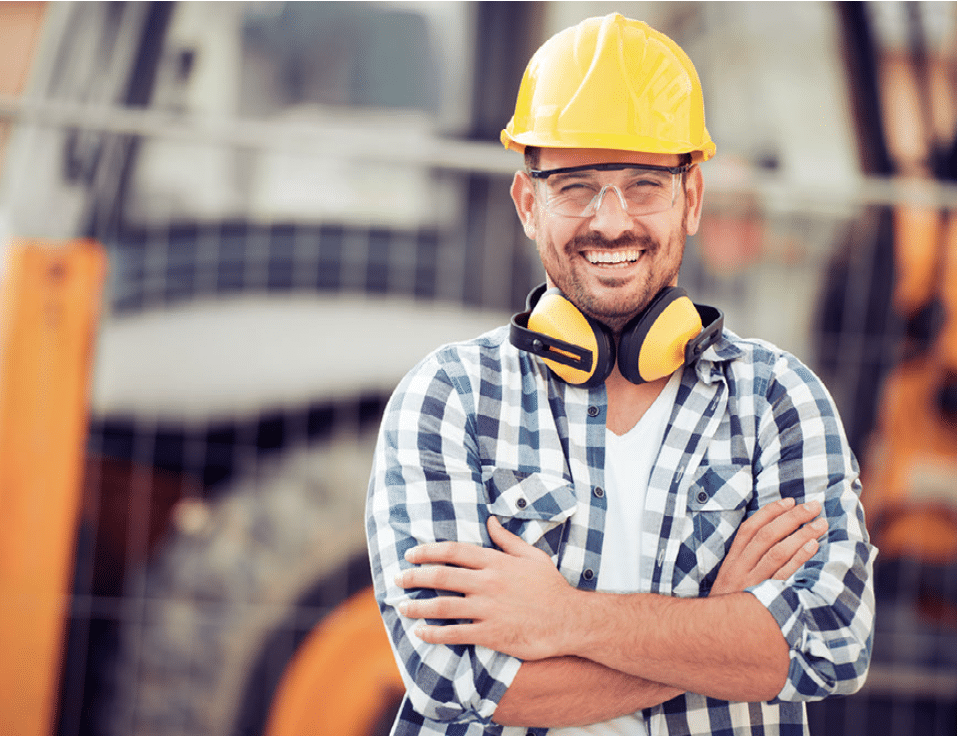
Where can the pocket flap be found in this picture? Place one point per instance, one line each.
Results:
(721, 488)
(521, 495)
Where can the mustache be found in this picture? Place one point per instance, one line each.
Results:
(595, 241)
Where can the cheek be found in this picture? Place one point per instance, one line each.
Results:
(552, 241)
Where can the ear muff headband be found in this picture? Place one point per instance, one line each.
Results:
(713, 321)
(669, 333)
(578, 349)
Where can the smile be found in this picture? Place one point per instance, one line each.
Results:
(612, 256)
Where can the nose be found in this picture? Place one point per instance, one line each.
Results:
(610, 217)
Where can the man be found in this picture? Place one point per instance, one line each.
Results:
(607, 515)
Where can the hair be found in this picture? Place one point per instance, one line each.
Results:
(532, 157)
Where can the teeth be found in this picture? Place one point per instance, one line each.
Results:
(612, 256)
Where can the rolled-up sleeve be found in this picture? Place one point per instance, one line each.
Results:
(826, 610)
(426, 486)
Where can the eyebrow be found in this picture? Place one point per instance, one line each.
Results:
(568, 175)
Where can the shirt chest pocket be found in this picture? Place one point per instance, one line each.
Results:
(717, 505)
(534, 506)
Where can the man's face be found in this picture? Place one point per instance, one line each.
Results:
(609, 264)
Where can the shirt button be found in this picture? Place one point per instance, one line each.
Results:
(593, 411)
(702, 497)
(522, 503)
(588, 574)
(599, 491)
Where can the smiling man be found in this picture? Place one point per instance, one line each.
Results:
(613, 516)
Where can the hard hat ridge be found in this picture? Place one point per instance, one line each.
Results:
(611, 82)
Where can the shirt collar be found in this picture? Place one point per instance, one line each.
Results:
(708, 367)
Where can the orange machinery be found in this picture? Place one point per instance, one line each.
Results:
(49, 306)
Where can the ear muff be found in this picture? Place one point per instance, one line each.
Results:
(578, 349)
(668, 334)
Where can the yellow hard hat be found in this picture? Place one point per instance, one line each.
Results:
(611, 82)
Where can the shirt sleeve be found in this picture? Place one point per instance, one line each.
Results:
(426, 486)
(826, 610)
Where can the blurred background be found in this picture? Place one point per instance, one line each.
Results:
(295, 202)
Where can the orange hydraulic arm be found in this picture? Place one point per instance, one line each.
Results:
(49, 305)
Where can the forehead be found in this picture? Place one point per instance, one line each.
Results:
(557, 158)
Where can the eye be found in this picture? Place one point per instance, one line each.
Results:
(575, 186)
(647, 182)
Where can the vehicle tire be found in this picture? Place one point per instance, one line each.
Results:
(212, 621)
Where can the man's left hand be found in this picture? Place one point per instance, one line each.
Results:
(514, 596)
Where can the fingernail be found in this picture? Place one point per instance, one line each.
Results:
(820, 525)
(811, 545)
(812, 506)
(403, 607)
(787, 502)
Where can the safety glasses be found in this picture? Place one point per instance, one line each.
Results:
(577, 191)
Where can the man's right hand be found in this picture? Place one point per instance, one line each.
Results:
(771, 545)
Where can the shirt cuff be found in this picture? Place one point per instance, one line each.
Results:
(775, 595)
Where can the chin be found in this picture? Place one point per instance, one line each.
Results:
(613, 315)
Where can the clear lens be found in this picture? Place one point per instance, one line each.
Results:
(640, 192)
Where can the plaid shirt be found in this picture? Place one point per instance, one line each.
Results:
(480, 428)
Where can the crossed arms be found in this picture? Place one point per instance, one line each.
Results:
(589, 657)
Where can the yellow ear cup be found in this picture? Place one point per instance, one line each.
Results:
(662, 350)
(556, 317)
(578, 350)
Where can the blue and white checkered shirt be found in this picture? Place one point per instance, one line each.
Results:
(480, 428)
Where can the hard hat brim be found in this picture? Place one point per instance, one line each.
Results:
(700, 152)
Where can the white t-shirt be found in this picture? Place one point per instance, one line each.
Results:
(629, 459)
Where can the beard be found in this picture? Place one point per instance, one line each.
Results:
(615, 313)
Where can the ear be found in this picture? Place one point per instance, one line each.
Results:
(522, 192)
(694, 193)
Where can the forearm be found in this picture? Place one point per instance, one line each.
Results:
(572, 691)
(727, 647)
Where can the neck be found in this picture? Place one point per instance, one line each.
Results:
(628, 402)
